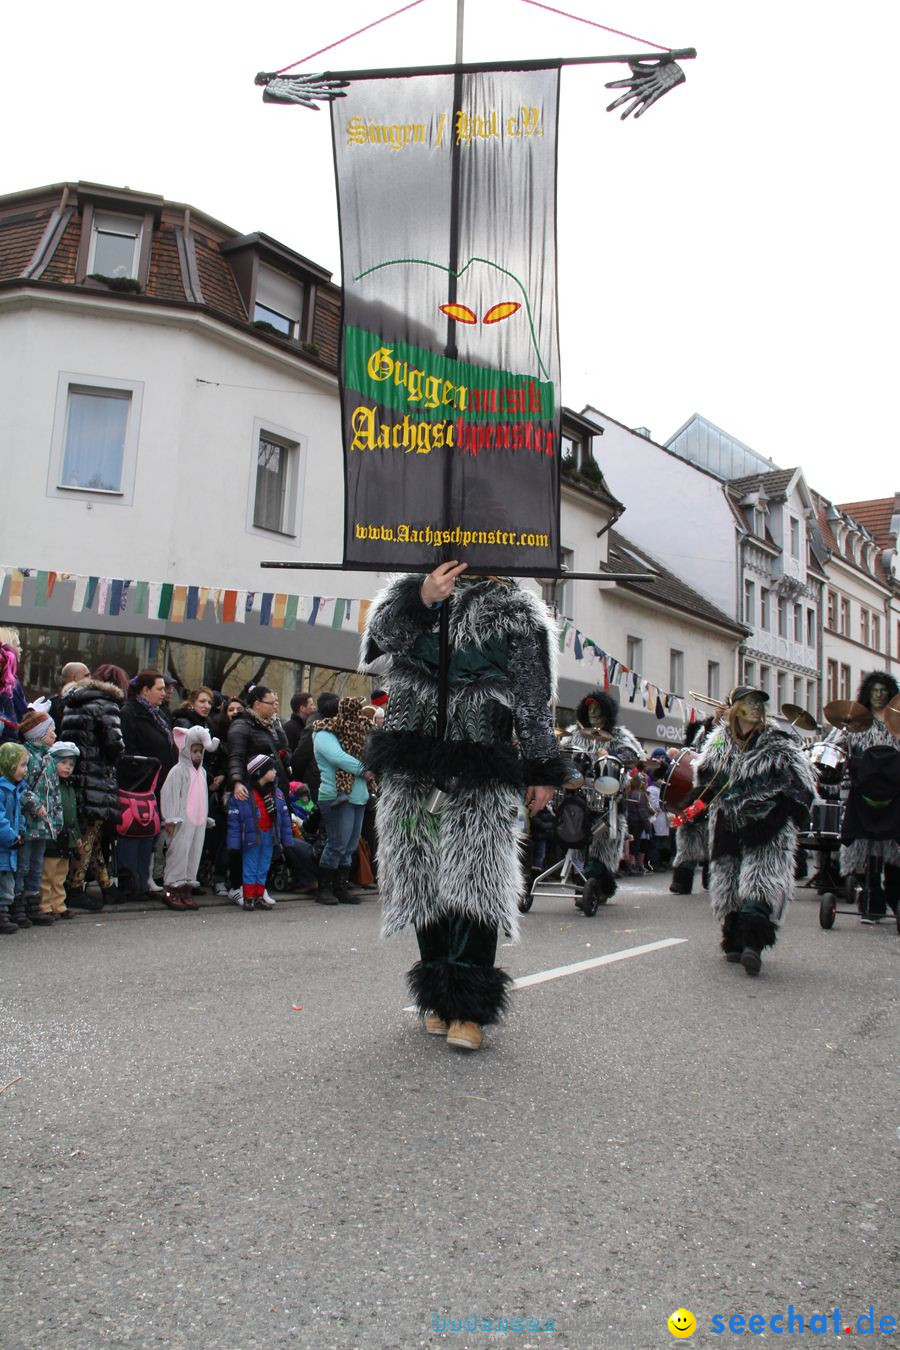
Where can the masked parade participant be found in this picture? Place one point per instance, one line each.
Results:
(875, 779)
(754, 785)
(449, 864)
(597, 730)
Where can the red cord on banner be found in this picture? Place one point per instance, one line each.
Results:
(374, 24)
(618, 32)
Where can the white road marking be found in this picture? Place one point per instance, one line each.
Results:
(524, 981)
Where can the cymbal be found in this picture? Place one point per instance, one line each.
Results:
(847, 714)
(892, 716)
(798, 717)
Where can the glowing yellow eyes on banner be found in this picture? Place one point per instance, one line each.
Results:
(462, 313)
(501, 311)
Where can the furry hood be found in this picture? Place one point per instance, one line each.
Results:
(82, 691)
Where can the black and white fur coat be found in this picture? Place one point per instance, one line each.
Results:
(499, 739)
(607, 846)
(758, 801)
(854, 857)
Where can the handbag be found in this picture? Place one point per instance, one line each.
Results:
(139, 810)
(362, 873)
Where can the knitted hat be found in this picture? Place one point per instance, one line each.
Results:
(35, 725)
(379, 698)
(10, 757)
(259, 765)
(64, 750)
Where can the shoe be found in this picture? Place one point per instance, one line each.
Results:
(237, 896)
(465, 1035)
(153, 888)
(341, 885)
(678, 890)
(171, 898)
(17, 913)
(435, 1026)
(199, 890)
(112, 895)
(220, 888)
(751, 960)
(43, 916)
(6, 924)
(187, 898)
(326, 898)
(64, 914)
(81, 900)
(265, 901)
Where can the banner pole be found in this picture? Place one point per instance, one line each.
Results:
(450, 350)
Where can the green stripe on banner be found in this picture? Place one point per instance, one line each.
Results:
(165, 599)
(290, 613)
(40, 589)
(337, 620)
(91, 592)
(140, 597)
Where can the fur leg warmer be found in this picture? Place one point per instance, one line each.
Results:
(459, 992)
(732, 941)
(757, 932)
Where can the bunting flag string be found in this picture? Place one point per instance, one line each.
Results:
(174, 603)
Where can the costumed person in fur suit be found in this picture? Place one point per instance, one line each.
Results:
(695, 735)
(597, 731)
(455, 875)
(184, 802)
(757, 784)
(860, 854)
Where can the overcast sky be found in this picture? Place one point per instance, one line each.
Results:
(732, 253)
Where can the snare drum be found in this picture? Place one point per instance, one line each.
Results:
(609, 775)
(680, 783)
(829, 761)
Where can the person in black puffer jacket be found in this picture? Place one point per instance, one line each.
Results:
(147, 732)
(257, 731)
(92, 720)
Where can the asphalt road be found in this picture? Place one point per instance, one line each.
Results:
(187, 1161)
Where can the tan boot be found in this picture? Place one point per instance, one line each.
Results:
(465, 1035)
(434, 1025)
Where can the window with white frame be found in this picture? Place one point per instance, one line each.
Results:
(765, 678)
(798, 691)
(831, 686)
(795, 537)
(279, 301)
(634, 653)
(713, 679)
(94, 443)
(676, 671)
(811, 697)
(750, 673)
(798, 622)
(845, 682)
(765, 608)
(782, 616)
(831, 611)
(559, 594)
(94, 446)
(811, 628)
(864, 626)
(749, 603)
(781, 688)
(115, 245)
(845, 616)
(876, 632)
(275, 471)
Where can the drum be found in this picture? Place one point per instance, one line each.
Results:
(829, 761)
(609, 775)
(826, 819)
(680, 783)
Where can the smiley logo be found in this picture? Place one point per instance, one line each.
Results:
(682, 1323)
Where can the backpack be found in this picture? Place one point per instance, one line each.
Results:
(138, 807)
(573, 822)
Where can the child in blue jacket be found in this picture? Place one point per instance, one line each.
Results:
(13, 767)
(259, 826)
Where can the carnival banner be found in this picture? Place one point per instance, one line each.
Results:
(450, 354)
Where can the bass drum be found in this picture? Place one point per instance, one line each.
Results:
(680, 783)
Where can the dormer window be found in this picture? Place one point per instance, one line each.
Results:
(279, 301)
(115, 245)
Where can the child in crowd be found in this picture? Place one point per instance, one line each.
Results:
(301, 803)
(67, 841)
(13, 767)
(42, 808)
(185, 815)
(257, 826)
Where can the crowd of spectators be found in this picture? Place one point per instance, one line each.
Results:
(110, 793)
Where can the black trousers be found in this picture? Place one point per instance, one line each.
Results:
(456, 976)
